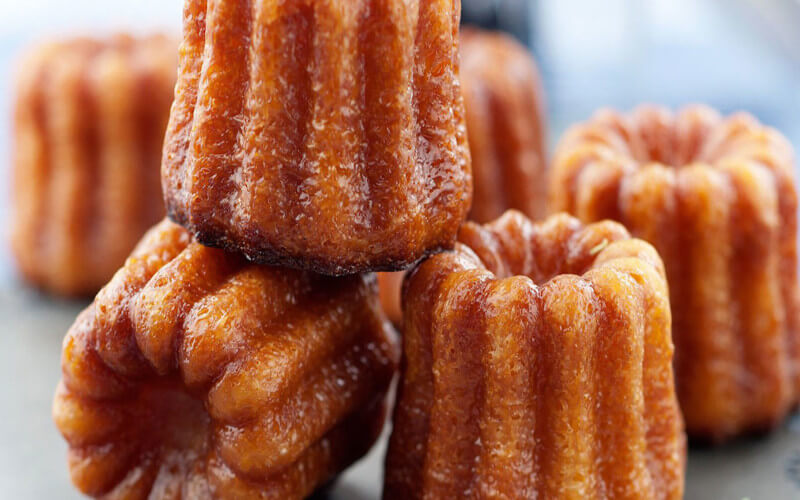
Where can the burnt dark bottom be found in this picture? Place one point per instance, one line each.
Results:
(275, 257)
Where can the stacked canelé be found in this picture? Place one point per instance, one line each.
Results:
(241, 351)
(716, 197)
(320, 135)
(89, 125)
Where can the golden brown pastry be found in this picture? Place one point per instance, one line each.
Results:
(537, 364)
(504, 103)
(320, 135)
(196, 374)
(89, 126)
(716, 197)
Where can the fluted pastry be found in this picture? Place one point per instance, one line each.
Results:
(324, 135)
(196, 374)
(88, 130)
(504, 103)
(537, 364)
(716, 197)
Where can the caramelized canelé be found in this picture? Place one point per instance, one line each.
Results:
(716, 196)
(537, 364)
(196, 374)
(88, 130)
(320, 135)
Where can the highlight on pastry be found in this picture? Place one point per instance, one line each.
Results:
(320, 135)
(89, 122)
(716, 196)
(537, 364)
(196, 374)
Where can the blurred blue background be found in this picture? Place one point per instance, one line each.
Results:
(731, 54)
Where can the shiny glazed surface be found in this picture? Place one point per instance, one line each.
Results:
(89, 125)
(715, 195)
(326, 135)
(537, 364)
(505, 111)
(195, 374)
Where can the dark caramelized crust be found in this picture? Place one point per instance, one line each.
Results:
(198, 375)
(89, 126)
(716, 197)
(537, 364)
(504, 103)
(320, 134)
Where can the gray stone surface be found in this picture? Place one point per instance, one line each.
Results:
(32, 464)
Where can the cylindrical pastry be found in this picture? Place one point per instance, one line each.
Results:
(537, 364)
(196, 374)
(716, 197)
(322, 135)
(88, 131)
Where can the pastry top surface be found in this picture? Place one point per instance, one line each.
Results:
(694, 135)
(513, 246)
(498, 62)
(142, 53)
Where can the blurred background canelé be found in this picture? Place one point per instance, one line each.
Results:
(89, 121)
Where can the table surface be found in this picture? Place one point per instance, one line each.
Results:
(32, 463)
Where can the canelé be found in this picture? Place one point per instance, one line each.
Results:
(537, 364)
(320, 135)
(89, 124)
(716, 196)
(505, 112)
(196, 374)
